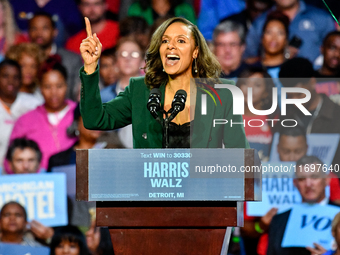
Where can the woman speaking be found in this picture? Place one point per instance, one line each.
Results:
(177, 53)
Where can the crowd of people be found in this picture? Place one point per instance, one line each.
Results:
(263, 45)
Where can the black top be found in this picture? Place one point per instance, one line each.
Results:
(179, 135)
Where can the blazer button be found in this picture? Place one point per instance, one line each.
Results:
(144, 135)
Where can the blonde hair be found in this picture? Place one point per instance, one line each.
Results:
(207, 64)
(9, 23)
(31, 49)
(335, 222)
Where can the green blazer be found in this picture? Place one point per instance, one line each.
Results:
(130, 107)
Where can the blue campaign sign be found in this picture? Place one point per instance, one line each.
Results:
(278, 189)
(308, 224)
(17, 249)
(42, 195)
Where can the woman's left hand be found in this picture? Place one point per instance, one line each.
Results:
(317, 250)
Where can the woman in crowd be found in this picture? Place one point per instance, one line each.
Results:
(47, 124)
(259, 133)
(129, 58)
(8, 30)
(336, 235)
(29, 56)
(335, 250)
(275, 42)
(13, 220)
(68, 240)
(177, 53)
(151, 10)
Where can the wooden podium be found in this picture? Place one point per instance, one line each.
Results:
(162, 226)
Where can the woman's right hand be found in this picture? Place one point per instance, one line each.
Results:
(90, 49)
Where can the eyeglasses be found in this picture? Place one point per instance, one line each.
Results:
(125, 54)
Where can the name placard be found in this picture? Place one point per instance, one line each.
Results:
(168, 174)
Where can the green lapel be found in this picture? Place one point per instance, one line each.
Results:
(201, 132)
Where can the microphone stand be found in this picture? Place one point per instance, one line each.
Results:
(178, 105)
(166, 130)
(166, 123)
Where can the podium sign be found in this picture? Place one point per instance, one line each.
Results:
(169, 175)
(180, 200)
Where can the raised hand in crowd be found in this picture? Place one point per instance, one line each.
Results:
(267, 218)
(40, 231)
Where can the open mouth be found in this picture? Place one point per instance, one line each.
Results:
(172, 59)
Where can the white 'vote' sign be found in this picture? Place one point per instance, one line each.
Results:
(308, 224)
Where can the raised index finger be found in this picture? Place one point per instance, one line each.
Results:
(88, 27)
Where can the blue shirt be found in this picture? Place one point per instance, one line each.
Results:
(213, 11)
(108, 93)
(311, 24)
(274, 73)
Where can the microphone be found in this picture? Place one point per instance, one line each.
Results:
(154, 102)
(178, 103)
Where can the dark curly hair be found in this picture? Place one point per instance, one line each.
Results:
(53, 63)
(278, 16)
(207, 64)
(72, 234)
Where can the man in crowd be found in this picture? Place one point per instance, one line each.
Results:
(308, 25)
(42, 31)
(66, 13)
(311, 186)
(12, 103)
(106, 30)
(330, 50)
(324, 113)
(292, 144)
(229, 45)
(328, 76)
(24, 156)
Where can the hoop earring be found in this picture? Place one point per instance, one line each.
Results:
(195, 68)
